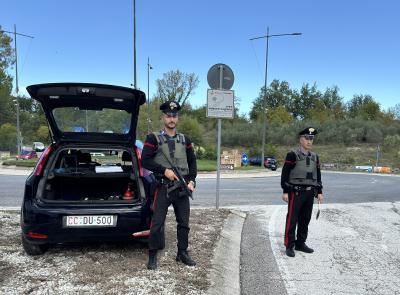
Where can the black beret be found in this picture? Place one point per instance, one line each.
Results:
(170, 107)
(309, 131)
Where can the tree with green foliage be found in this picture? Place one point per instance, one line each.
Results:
(176, 85)
(395, 111)
(6, 51)
(277, 94)
(191, 127)
(304, 100)
(279, 115)
(8, 139)
(7, 108)
(364, 107)
(42, 134)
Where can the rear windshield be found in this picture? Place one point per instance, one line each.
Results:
(73, 119)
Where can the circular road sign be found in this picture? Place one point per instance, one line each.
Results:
(213, 78)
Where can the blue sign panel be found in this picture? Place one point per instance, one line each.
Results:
(245, 159)
(79, 129)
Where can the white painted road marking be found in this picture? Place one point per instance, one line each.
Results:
(357, 250)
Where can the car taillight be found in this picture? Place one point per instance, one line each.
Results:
(139, 157)
(34, 235)
(144, 233)
(42, 161)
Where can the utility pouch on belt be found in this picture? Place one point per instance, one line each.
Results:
(175, 186)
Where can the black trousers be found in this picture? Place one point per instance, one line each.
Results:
(300, 207)
(181, 205)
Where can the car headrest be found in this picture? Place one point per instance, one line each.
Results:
(84, 158)
(70, 161)
(126, 156)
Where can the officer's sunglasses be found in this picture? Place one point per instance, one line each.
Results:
(308, 137)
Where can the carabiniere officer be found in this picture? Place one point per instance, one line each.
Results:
(178, 148)
(301, 182)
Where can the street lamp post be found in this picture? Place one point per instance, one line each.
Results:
(149, 67)
(265, 85)
(16, 84)
(134, 44)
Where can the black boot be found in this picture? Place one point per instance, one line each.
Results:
(152, 264)
(184, 257)
(290, 252)
(303, 248)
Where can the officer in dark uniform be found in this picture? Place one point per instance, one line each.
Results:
(301, 182)
(178, 148)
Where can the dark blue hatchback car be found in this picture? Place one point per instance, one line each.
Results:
(88, 185)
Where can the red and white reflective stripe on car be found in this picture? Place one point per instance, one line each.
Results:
(42, 161)
(139, 157)
(144, 233)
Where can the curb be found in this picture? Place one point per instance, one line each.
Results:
(225, 272)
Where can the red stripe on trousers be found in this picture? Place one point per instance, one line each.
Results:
(154, 205)
(288, 221)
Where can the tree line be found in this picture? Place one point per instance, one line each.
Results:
(287, 110)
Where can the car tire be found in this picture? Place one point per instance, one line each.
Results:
(33, 249)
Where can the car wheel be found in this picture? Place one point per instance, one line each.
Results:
(33, 249)
(273, 169)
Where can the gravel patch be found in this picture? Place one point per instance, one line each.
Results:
(109, 268)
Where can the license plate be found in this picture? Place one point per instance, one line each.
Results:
(90, 221)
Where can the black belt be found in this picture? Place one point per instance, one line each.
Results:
(302, 188)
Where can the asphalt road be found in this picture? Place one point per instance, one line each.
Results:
(338, 188)
(358, 206)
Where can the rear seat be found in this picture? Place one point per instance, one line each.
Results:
(85, 161)
(126, 157)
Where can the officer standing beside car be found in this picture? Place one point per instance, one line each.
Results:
(301, 182)
(178, 148)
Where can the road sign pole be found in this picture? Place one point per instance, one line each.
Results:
(220, 105)
(221, 69)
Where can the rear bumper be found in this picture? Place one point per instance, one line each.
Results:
(47, 224)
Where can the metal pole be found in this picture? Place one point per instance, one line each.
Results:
(265, 85)
(148, 95)
(221, 73)
(134, 44)
(17, 90)
(19, 140)
(265, 102)
(377, 156)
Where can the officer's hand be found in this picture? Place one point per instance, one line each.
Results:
(285, 197)
(170, 174)
(320, 198)
(191, 186)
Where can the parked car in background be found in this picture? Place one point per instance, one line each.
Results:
(26, 155)
(38, 146)
(255, 161)
(69, 197)
(269, 162)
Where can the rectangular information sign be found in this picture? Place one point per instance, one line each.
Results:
(220, 104)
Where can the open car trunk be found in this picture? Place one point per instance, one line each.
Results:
(88, 175)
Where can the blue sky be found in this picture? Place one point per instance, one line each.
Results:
(352, 44)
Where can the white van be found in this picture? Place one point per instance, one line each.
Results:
(38, 146)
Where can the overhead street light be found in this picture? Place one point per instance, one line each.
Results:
(16, 83)
(134, 44)
(265, 84)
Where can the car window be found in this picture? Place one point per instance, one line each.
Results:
(72, 119)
